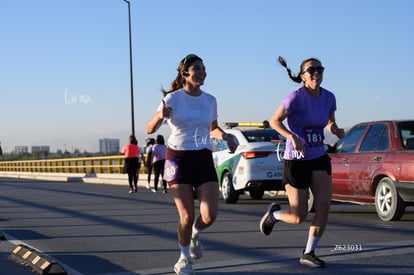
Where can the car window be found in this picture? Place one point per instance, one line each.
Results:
(376, 139)
(406, 129)
(351, 139)
(383, 144)
(260, 135)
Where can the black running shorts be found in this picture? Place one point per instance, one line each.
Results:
(298, 173)
(189, 167)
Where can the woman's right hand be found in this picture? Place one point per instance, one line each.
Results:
(157, 119)
(165, 111)
(298, 146)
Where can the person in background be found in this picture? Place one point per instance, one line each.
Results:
(191, 113)
(131, 153)
(148, 160)
(308, 110)
(158, 160)
(140, 158)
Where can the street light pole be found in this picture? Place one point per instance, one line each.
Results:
(130, 67)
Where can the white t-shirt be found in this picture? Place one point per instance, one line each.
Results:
(190, 121)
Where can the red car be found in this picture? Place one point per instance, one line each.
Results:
(374, 164)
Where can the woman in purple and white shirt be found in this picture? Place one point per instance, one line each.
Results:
(308, 110)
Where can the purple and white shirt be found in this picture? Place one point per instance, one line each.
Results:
(307, 119)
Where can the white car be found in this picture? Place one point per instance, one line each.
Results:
(256, 166)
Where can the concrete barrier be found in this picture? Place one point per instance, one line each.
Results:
(117, 179)
(67, 177)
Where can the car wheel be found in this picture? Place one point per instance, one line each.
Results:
(256, 194)
(388, 204)
(227, 189)
(311, 203)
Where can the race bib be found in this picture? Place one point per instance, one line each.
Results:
(171, 171)
(313, 137)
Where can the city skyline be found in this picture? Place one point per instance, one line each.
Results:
(105, 145)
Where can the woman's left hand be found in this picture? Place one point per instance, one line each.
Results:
(231, 142)
(340, 133)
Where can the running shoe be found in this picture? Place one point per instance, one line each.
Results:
(311, 260)
(196, 248)
(268, 221)
(131, 191)
(184, 266)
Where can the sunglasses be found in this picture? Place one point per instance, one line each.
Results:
(312, 70)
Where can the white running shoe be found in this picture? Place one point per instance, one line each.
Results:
(184, 266)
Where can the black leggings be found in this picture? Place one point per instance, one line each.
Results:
(149, 167)
(131, 168)
(159, 171)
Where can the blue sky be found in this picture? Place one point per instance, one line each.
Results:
(64, 73)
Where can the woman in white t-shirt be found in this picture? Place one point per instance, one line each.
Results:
(191, 113)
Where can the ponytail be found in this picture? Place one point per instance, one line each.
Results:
(297, 78)
(177, 84)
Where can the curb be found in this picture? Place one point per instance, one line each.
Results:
(39, 262)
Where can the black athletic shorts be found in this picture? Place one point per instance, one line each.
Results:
(298, 173)
(189, 167)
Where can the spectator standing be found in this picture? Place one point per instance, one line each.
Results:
(158, 160)
(140, 158)
(131, 152)
(148, 160)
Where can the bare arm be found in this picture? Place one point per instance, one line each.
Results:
(333, 128)
(276, 122)
(154, 123)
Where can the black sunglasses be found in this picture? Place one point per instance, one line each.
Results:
(312, 70)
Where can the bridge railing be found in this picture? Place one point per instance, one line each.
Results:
(92, 165)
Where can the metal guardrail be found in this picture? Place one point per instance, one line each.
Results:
(89, 165)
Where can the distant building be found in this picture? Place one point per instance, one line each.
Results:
(40, 149)
(21, 149)
(109, 145)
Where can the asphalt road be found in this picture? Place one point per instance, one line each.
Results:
(101, 229)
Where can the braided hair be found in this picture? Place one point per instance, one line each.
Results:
(296, 78)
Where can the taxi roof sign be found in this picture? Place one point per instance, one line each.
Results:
(264, 124)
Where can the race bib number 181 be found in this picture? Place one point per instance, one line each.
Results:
(314, 137)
